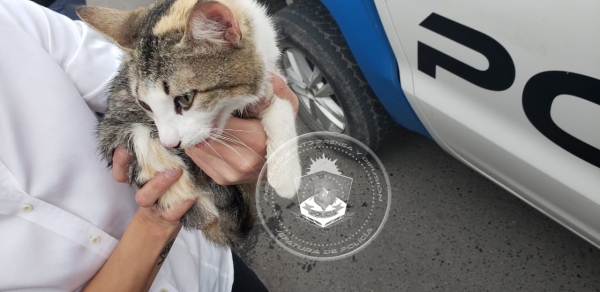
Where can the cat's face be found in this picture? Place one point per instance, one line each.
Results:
(189, 66)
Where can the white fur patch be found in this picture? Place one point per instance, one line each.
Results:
(278, 120)
(192, 126)
(265, 37)
(280, 125)
(154, 158)
(206, 30)
(173, 128)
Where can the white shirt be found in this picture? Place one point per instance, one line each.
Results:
(61, 213)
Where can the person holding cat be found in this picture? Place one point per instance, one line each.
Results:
(66, 224)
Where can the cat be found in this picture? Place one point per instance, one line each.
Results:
(188, 66)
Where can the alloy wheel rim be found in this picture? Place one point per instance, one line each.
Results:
(315, 94)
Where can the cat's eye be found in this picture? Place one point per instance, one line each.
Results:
(185, 100)
(144, 105)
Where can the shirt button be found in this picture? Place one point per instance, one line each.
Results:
(27, 207)
(95, 239)
(163, 290)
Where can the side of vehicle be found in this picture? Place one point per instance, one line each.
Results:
(508, 88)
(513, 91)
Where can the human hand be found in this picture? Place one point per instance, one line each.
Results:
(148, 238)
(239, 155)
(151, 191)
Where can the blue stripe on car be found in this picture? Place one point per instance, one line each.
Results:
(359, 22)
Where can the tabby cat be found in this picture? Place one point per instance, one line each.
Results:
(189, 65)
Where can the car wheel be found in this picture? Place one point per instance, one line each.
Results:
(333, 93)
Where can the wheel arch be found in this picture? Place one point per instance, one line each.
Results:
(360, 24)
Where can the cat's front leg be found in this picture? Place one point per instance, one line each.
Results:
(151, 158)
(279, 122)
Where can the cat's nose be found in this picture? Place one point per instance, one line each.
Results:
(168, 134)
(172, 144)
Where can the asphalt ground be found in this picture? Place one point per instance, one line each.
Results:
(449, 229)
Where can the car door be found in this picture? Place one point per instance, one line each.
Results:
(512, 89)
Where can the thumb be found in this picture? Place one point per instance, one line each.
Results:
(283, 91)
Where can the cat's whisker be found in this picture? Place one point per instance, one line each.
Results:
(234, 141)
(136, 99)
(215, 150)
(231, 136)
(222, 139)
(229, 139)
(245, 131)
(237, 130)
(239, 142)
(236, 152)
(225, 140)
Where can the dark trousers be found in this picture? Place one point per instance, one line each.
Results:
(244, 279)
(65, 7)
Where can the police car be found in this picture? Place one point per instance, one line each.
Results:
(510, 88)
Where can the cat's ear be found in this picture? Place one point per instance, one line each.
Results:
(118, 25)
(213, 22)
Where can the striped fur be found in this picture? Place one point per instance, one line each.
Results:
(224, 53)
(175, 19)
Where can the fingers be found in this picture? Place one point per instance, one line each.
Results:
(281, 90)
(220, 171)
(147, 196)
(237, 157)
(255, 109)
(244, 150)
(120, 164)
(205, 161)
(156, 187)
(250, 132)
(175, 212)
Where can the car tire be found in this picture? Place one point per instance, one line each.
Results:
(273, 5)
(309, 31)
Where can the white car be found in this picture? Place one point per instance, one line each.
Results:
(510, 88)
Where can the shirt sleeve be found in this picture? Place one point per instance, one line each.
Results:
(88, 58)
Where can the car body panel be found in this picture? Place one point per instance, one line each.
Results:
(360, 24)
(488, 129)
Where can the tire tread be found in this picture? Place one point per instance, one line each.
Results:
(310, 19)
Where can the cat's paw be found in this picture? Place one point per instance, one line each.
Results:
(283, 169)
(287, 190)
(282, 150)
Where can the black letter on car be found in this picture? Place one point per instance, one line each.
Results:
(499, 76)
(538, 95)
